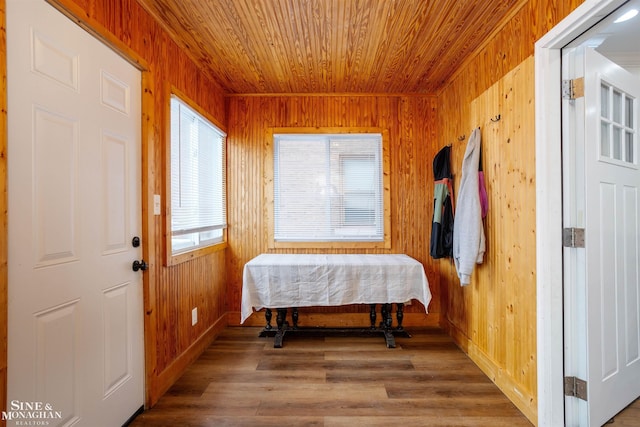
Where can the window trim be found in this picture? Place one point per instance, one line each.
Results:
(170, 258)
(269, 195)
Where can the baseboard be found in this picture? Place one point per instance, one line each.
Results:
(337, 320)
(165, 379)
(525, 402)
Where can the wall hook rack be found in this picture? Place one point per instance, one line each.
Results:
(462, 137)
(496, 118)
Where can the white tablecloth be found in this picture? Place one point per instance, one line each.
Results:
(304, 280)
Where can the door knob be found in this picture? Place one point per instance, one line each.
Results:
(139, 265)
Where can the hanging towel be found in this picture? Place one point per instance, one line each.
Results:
(468, 232)
(442, 224)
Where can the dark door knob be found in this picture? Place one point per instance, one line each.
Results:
(139, 265)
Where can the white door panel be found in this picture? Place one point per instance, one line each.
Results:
(75, 305)
(602, 281)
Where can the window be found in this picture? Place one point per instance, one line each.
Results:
(198, 194)
(328, 188)
(617, 125)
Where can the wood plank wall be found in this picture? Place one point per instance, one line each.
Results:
(170, 292)
(494, 318)
(410, 121)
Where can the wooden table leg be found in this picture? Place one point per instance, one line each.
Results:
(372, 315)
(268, 330)
(386, 316)
(400, 315)
(389, 338)
(267, 316)
(281, 320)
(386, 326)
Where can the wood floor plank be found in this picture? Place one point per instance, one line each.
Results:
(353, 365)
(358, 407)
(422, 421)
(446, 389)
(236, 421)
(246, 376)
(373, 355)
(403, 377)
(304, 391)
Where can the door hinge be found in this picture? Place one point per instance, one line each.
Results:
(575, 387)
(573, 237)
(573, 89)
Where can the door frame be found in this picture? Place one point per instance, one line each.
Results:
(93, 27)
(549, 264)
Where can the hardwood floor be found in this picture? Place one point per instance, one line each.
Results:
(629, 417)
(241, 380)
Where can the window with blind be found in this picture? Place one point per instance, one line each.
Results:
(198, 202)
(328, 188)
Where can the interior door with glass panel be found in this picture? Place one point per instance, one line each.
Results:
(601, 183)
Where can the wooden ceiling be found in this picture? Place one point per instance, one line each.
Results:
(330, 46)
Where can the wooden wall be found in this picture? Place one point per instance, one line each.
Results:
(494, 318)
(410, 121)
(170, 292)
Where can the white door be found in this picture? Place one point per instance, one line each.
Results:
(601, 183)
(75, 306)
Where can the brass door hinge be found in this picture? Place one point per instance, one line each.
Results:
(573, 89)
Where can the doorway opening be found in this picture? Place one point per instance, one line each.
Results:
(582, 24)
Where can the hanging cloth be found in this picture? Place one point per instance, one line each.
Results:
(482, 189)
(441, 245)
(468, 232)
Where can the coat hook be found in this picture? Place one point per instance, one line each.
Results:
(496, 118)
(461, 137)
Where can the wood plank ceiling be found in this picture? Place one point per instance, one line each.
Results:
(330, 46)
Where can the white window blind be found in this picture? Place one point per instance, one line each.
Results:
(328, 187)
(198, 195)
